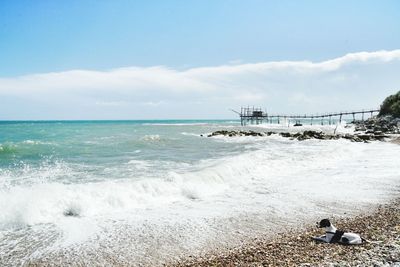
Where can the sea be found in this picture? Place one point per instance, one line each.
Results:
(148, 193)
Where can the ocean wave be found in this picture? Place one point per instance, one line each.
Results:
(25, 147)
(140, 164)
(36, 142)
(47, 202)
(24, 174)
(6, 149)
(151, 138)
(274, 180)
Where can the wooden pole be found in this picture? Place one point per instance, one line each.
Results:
(241, 116)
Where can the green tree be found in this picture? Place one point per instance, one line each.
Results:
(391, 106)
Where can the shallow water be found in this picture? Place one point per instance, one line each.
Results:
(145, 192)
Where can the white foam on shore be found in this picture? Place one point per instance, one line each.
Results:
(339, 128)
(275, 183)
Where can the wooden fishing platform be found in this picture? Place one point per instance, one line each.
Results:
(252, 115)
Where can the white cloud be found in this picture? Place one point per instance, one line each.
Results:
(352, 81)
(111, 103)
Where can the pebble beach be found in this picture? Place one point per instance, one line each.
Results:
(380, 227)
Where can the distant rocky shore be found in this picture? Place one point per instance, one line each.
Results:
(304, 135)
(373, 129)
(379, 125)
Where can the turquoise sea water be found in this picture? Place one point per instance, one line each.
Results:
(93, 147)
(146, 192)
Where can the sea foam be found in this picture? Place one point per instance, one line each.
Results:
(112, 204)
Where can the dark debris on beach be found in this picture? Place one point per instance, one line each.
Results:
(381, 228)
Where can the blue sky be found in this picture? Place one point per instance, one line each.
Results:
(43, 37)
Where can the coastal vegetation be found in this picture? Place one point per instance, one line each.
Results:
(391, 106)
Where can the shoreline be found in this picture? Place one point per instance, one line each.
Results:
(380, 226)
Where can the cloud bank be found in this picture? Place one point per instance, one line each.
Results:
(357, 80)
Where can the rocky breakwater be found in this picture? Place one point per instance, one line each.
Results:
(358, 137)
(379, 125)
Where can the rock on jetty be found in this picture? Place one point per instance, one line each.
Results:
(360, 137)
(238, 133)
(378, 125)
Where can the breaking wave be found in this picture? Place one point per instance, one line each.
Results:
(151, 138)
(242, 177)
(7, 149)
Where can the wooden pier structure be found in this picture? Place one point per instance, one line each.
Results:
(251, 115)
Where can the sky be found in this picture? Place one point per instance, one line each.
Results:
(194, 59)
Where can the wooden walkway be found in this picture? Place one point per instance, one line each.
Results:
(257, 116)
